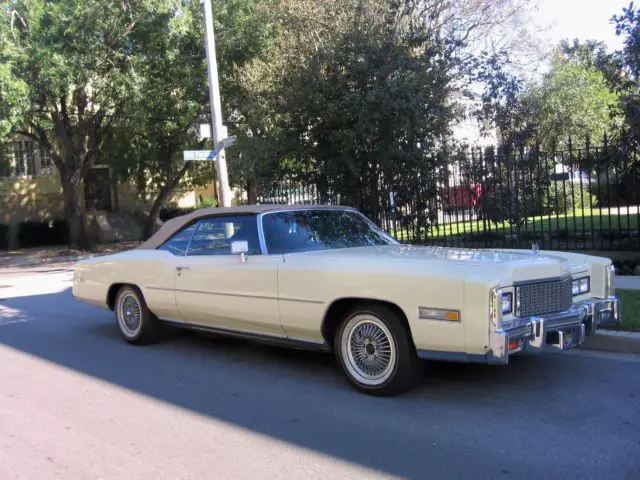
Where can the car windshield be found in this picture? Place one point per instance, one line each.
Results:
(309, 230)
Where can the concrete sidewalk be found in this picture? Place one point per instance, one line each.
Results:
(628, 282)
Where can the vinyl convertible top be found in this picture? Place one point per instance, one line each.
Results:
(173, 225)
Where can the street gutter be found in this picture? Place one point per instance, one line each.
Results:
(613, 341)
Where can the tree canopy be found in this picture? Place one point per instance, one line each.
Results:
(77, 63)
(574, 101)
(352, 95)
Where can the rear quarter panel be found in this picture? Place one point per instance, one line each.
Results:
(150, 270)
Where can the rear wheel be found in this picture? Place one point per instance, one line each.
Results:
(136, 323)
(375, 351)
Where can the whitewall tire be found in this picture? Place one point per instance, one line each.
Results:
(374, 349)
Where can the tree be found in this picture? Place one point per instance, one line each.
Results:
(296, 33)
(248, 33)
(628, 25)
(364, 103)
(13, 91)
(504, 105)
(574, 102)
(594, 54)
(79, 60)
(162, 121)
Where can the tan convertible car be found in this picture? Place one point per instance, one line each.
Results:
(327, 278)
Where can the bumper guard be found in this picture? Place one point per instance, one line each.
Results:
(555, 331)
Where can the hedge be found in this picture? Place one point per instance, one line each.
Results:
(38, 234)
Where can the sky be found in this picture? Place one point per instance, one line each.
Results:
(583, 19)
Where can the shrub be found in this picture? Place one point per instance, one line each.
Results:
(39, 234)
(566, 197)
(208, 202)
(4, 237)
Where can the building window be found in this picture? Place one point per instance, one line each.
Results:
(44, 156)
(26, 158)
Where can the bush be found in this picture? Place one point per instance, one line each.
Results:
(39, 234)
(4, 237)
(208, 202)
(566, 197)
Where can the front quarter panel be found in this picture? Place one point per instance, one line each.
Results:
(308, 288)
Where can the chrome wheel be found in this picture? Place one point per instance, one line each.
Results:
(129, 315)
(368, 350)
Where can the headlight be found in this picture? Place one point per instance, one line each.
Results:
(580, 286)
(507, 302)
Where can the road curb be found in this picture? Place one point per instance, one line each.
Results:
(613, 341)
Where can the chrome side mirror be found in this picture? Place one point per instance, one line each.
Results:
(240, 247)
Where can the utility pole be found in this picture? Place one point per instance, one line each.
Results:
(219, 131)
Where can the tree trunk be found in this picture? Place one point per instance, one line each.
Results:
(163, 195)
(152, 218)
(252, 192)
(75, 212)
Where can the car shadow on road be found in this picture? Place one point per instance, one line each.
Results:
(301, 397)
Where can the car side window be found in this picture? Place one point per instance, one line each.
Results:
(178, 243)
(213, 236)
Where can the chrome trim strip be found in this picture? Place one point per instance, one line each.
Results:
(444, 356)
(540, 280)
(266, 338)
(262, 297)
(197, 223)
(261, 238)
(301, 300)
(223, 294)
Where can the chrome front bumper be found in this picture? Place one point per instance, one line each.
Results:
(557, 331)
(602, 312)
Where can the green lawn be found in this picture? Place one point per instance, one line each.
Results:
(583, 220)
(630, 310)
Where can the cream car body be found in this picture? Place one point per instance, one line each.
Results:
(451, 300)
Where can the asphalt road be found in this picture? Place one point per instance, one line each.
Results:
(76, 402)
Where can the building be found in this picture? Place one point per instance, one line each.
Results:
(31, 192)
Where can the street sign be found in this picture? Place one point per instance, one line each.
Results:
(208, 155)
(198, 155)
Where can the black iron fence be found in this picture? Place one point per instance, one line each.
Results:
(575, 199)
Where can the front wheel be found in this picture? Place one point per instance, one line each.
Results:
(375, 351)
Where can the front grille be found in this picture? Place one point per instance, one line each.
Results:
(544, 297)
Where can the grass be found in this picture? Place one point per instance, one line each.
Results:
(630, 311)
(581, 220)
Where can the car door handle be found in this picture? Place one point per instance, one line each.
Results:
(182, 267)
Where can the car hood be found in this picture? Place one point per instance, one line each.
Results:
(520, 265)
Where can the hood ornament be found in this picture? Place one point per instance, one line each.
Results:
(535, 248)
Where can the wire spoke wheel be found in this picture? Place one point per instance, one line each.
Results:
(368, 350)
(129, 315)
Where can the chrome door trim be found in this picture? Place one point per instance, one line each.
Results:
(271, 339)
